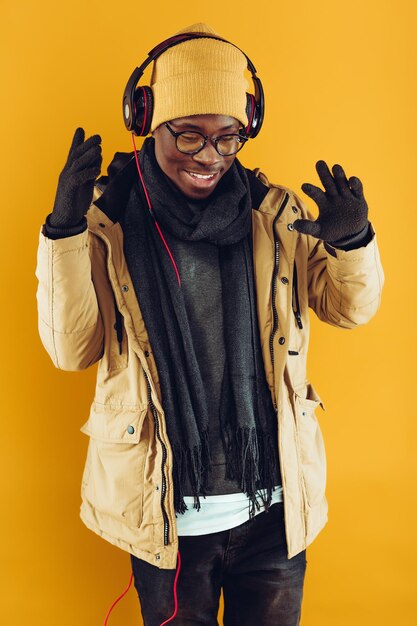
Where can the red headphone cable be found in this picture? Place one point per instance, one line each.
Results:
(175, 594)
(119, 598)
(175, 591)
(179, 282)
(150, 209)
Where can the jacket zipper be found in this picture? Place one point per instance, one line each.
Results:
(164, 458)
(296, 302)
(274, 280)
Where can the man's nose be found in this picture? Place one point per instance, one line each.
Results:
(208, 155)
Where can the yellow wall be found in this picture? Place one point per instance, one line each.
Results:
(340, 83)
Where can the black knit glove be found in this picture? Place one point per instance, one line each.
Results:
(76, 181)
(343, 211)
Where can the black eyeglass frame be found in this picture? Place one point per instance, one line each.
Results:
(214, 140)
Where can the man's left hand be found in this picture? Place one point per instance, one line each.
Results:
(343, 211)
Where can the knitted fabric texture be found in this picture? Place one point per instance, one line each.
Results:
(198, 77)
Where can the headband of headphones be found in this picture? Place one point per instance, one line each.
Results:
(138, 103)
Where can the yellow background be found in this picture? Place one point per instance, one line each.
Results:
(340, 84)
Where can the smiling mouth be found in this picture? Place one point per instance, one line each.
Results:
(202, 181)
(206, 177)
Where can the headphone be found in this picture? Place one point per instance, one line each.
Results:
(138, 103)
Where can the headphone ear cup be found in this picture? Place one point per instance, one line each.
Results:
(142, 111)
(251, 113)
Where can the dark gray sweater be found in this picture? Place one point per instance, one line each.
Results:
(198, 265)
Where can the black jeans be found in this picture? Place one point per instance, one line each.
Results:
(261, 586)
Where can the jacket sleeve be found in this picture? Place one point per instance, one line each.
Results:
(344, 286)
(69, 320)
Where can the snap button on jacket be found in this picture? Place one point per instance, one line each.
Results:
(88, 314)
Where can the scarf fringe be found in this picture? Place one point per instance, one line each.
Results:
(196, 465)
(252, 460)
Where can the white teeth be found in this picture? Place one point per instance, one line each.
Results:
(205, 176)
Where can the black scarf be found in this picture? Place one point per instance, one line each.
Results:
(247, 417)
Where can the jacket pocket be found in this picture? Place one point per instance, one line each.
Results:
(312, 453)
(113, 477)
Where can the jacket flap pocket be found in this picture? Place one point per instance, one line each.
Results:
(308, 397)
(115, 424)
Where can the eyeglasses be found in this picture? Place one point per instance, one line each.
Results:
(191, 142)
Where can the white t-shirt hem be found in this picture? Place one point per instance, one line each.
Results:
(221, 512)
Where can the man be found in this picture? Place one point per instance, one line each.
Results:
(190, 288)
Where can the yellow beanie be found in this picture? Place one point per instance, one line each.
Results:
(197, 77)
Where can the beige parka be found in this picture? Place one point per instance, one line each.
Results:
(127, 486)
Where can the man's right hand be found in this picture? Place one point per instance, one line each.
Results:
(76, 181)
